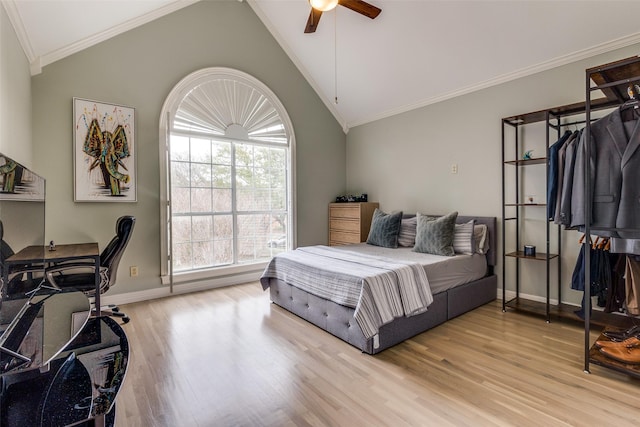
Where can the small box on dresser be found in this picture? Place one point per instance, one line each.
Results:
(350, 222)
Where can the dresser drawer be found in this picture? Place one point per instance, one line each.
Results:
(341, 237)
(350, 222)
(346, 211)
(342, 224)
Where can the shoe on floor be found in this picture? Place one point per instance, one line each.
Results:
(629, 342)
(629, 355)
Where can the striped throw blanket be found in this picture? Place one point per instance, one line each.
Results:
(380, 289)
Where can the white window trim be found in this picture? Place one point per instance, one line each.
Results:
(169, 108)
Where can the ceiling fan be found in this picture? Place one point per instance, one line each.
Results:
(319, 6)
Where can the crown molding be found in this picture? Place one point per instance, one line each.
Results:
(523, 72)
(61, 53)
(296, 61)
(18, 26)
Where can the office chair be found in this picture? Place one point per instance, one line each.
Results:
(75, 275)
(22, 280)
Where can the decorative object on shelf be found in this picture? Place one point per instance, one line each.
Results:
(529, 250)
(527, 155)
(351, 199)
(530, 198)
(103, 152)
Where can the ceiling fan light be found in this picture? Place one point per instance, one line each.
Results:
(323, 5)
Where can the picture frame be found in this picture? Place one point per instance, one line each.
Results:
(104, 152)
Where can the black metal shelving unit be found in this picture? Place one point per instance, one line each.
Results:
(612, 79)
(515, 204)
(556, 119)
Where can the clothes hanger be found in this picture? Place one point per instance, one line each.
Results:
(633, 91)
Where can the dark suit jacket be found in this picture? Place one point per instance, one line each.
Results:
(614, 168)
(552, 178)
(568, 181)
(562, 155)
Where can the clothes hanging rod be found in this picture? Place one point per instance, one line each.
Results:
(616, 83)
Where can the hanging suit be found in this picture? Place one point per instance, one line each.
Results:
(632, 286)
(552, 179)
(614, 168)
(568, 180)
(562, 155)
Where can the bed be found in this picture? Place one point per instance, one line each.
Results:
(457, 285)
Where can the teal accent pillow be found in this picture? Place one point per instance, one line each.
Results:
(435, 236)
(385, 229)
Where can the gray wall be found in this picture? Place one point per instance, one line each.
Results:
(15, 96)
(404, 161)
(139, 68)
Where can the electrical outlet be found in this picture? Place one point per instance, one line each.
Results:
(133, 271)
(454, 168)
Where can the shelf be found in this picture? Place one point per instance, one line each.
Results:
(567, 312)
(525, 204)
(539, 256)
(613, 78)
(534, 161)
(564, 110)
(600, 359)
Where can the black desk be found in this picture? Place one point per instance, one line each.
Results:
(38, 255)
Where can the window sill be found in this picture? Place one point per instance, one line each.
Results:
(212, 273)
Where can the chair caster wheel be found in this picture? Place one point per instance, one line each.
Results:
(125, 319)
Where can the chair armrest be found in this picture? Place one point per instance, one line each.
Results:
(59, 268)
(19, 269)
(49, 272)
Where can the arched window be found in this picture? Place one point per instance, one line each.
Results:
(227, 153)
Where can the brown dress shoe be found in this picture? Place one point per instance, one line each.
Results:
(622, 354)
(629, 342)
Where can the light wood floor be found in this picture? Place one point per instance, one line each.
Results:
(228, 357)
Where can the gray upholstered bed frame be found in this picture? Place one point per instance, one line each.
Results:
(339, 321)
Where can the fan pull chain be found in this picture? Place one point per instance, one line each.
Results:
(335, 55)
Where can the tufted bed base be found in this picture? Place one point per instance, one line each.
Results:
(339, 321)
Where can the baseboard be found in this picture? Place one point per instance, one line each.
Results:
(220, 282)
(137, 296)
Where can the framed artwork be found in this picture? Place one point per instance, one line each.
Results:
(19, 183)
(103, 152)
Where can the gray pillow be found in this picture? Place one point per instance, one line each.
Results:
(435, 236)
(385, 229)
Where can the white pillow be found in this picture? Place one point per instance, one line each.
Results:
(407, 236)
(463, 238)
(480, 233)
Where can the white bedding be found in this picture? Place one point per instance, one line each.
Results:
(443, 272)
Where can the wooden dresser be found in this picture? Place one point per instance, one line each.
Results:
(350, 222)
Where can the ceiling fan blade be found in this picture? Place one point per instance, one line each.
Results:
(361, 7)
(312, 22)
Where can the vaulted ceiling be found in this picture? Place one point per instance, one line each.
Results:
(413, 54)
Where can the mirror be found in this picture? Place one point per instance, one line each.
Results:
(36, 322)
